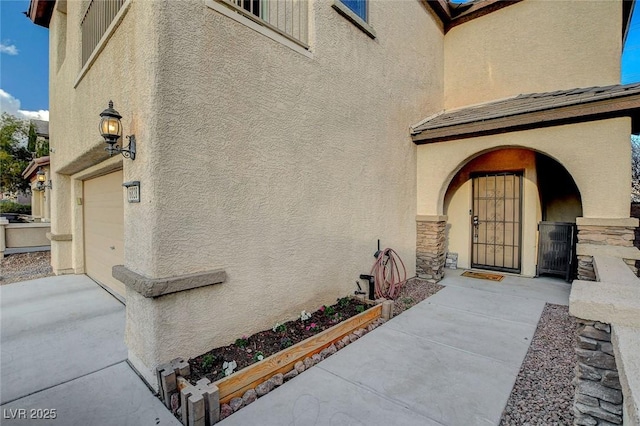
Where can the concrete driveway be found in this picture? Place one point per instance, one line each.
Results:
(62, 348)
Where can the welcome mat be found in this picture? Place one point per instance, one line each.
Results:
(483, 275)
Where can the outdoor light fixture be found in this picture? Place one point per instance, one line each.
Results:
(111, 131)
(41, 178)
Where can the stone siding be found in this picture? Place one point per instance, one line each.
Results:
(430, 250)
(598, 396)
(621, 236)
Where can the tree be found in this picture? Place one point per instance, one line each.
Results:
(39, 147)
(635, 168)
(14, 155)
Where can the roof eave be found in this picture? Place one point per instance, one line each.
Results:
(34, 165)
(598, 110)
(40, 12)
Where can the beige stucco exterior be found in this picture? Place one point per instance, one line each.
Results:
(533, 46)
(444, 169)
(283, 166)
(303, 159)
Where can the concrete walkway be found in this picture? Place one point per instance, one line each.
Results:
(62, 348)
(450, 360)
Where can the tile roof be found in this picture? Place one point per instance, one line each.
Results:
(523, 104)
(42, 127)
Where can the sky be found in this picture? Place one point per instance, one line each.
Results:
(24, 57)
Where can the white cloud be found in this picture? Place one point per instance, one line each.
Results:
(9, 49)
(11, 105)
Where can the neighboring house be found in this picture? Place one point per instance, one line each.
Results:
(277, 141)
(38, 174)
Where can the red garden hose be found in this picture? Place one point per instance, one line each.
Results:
(385, 270)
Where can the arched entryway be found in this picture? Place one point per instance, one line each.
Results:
(495, 202)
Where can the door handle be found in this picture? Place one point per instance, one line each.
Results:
(476, 222)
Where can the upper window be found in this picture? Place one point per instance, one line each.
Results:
(359, 7)
(357, 11)
(96, 20)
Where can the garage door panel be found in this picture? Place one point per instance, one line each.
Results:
(104, 228)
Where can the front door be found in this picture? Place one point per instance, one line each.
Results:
(496, 219)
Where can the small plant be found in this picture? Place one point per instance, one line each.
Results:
(285, 342)
(343, 302)
(208, 361)
(259, 356)
(279, 328)
(360, 309)
(304, 315)
(407, 300)
(312, 327)
(242, 342)
(228, 367)
(329, 311)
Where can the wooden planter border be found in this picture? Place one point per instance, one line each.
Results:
(238, 383)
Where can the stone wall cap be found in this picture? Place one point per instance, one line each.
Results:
(431, 218)
(156, 287)
(607, 250)
(613, 270)
(611, 303)
(595, 221)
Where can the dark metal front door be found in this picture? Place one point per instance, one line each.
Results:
(496, 221)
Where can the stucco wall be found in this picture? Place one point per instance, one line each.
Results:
(458, 199)
(282, 168)
(596, 154)
(125, 72)
(304, 163)
(533, 46)
(19, 235)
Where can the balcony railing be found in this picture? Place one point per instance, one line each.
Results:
(287, 17)
(95, 22)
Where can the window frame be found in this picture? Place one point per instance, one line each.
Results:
(362, 24)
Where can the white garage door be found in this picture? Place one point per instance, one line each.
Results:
(104, 229)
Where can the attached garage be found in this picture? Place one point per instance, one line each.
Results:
(104, 229)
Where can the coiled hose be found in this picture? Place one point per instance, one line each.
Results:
(388, 277)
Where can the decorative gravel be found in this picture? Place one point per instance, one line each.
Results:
(413, 292)
(543, 393)
(25, 266)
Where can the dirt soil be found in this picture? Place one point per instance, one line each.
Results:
(247, 349)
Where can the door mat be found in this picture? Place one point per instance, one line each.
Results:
(483, 276)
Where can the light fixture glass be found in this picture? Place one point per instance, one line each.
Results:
(111, 131)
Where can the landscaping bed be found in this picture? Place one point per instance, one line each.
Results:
(25, 266)
(543, 393)
(248, 350)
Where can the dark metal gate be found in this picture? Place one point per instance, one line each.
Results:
(556, 248)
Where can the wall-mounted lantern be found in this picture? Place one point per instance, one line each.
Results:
(111, 131)
(41, 178)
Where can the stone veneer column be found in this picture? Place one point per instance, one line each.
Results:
(430, 247)
(613, 237)
(598, 397)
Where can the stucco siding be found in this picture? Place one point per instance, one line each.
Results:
(294, 166)
(591, 152)
(282, 168)
(533, 46)
(125, 72)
